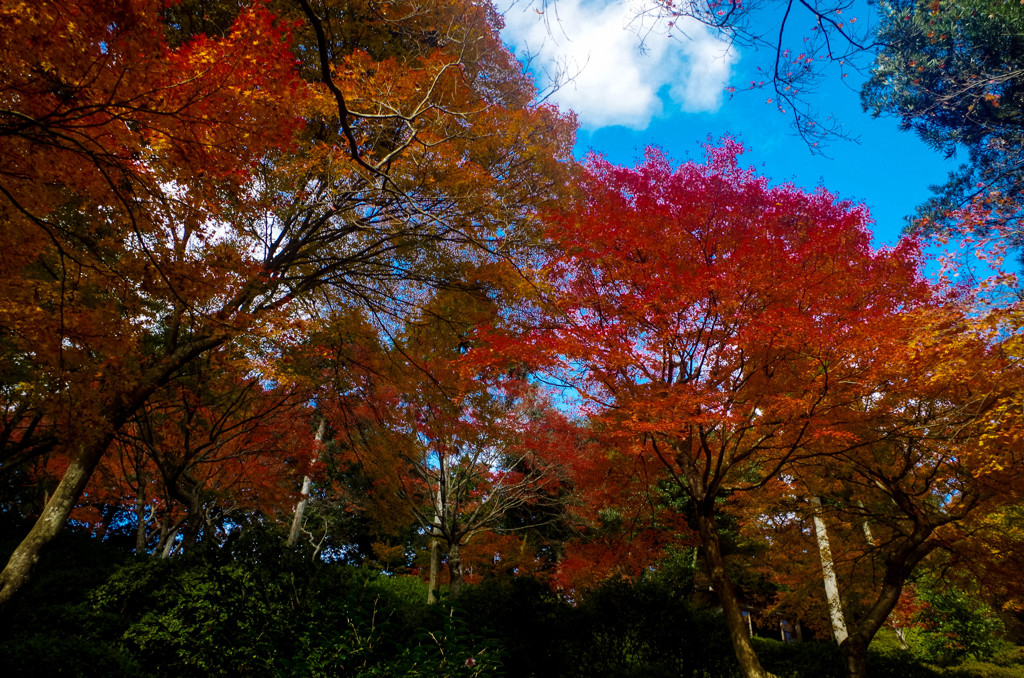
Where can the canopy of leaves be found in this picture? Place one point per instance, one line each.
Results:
(724, 322)
(953, 71)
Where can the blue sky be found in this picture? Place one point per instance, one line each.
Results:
(635, 86)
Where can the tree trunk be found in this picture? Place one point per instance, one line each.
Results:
(300, 509)
(898, 567)
(55, 514)
(120, 407)
(169, 544)
(194, 522)
(828, 569)
(435, 561)
(454, 570)
(307, 485)
(868, 534)
(750, 666)
(855, 654)
(141, 531)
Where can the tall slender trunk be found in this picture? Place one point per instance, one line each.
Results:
(169, 543)
(828, 569)
(868, 534)
(307, 486)
(454, 569)
(435, 561)
(741, 643)
(142, 516)
(55, 514)
(300, 510)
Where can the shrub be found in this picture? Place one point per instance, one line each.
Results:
(800, 660)
(957, 627)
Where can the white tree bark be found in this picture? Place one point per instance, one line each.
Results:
(835, 606)
(867, 528)
(169, 544)
(307, 486)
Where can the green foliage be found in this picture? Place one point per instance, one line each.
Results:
(253, 607)
(51, 630)
(886, 657)
(1009, 655)
(796, 660)
(223, 619)
(956, 626)
(953, 71)
(976, 669)
(250, 608)
(647, 628)
(201, 619)
(48, 654)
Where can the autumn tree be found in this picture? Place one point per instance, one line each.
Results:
(622, 518)
(214, 447)
(117, 151)
(467, 477)
(920, 459)
(481, 441)
(455, 450)
(724, 324)
(169, 192)
(344, 364)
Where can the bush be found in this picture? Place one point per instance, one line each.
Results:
(977, 669)
(48, 654)
(50, 630)
(202, 619)
(642, 629)
(1010, 655)
(799, 660)
(957, 627)
(899, 664)
(255, 607)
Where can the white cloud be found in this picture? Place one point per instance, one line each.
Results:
(621, 57)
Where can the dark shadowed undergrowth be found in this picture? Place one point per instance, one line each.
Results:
(256, 608)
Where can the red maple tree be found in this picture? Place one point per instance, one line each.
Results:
(719, 327)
